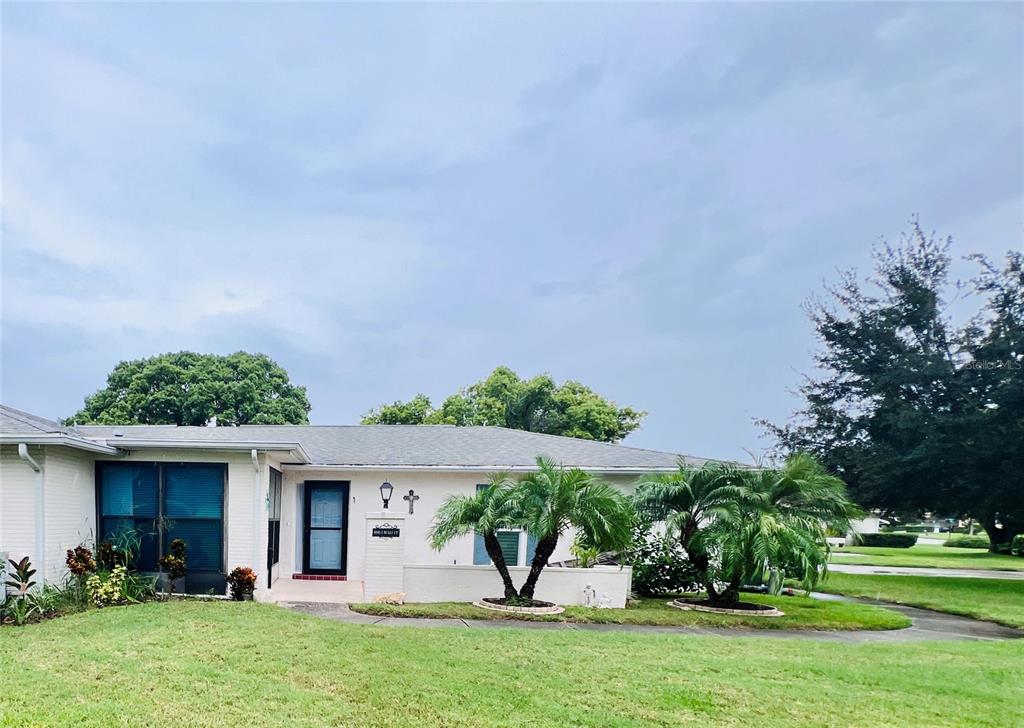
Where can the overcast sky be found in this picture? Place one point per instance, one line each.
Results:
(392, 199)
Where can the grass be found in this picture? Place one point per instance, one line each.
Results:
(800, 613)
(929, 556)
(996, 600)
(214, 664)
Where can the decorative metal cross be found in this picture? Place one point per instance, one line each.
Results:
(412, 498)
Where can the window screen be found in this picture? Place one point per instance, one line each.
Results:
(274, 519)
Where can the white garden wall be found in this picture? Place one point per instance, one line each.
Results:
(463, 583)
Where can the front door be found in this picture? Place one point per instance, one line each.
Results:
(326, 527)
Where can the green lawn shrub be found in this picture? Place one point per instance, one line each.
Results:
(890, 540)
(967, 542)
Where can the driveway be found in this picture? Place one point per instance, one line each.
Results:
(925, 571)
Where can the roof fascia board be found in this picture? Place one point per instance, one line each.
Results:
(58, 439)
(141, 444)
(604, 470)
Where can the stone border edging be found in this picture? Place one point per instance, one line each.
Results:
(687, 606)
(553, 609)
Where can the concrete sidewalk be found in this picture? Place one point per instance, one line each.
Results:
(924, 571)
(926, 625)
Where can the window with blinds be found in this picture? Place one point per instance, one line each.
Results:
(162, 502)
(509, 540)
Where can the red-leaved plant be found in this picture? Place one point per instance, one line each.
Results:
(242, 581)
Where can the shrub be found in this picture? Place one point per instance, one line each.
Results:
(174, 563)
(19, 607)
(108, 588)
(80, 561)
(890, 540)
(967, 542)
(659, 564)
(1017, 545)
(242, 581)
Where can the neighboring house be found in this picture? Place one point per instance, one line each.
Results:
(290, 501)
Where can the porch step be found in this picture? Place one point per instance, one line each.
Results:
(320, 577)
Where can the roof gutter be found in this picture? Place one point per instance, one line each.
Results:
(138, 443)
(57, 438)
(478, 468)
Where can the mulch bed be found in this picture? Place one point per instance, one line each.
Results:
(745, 608)
(521, 606)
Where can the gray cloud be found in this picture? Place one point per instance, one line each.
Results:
(396, 200)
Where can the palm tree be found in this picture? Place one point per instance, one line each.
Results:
(733, 522)
(483, 513)
(554, 499)
(799, 503)
(688, 501)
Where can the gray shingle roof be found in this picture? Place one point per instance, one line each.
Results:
(16, 422)
(369, 445)
(410, 445)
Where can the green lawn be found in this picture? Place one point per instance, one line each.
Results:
(930, 556)
(800, 613)
(997, 600)
(215, 664)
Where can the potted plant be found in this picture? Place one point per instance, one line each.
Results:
(242, 581)
(173, 566)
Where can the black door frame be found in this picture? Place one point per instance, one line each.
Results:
(342, 487)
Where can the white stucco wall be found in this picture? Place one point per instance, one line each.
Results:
(69, 506)
(445, 583)
(364, 497)
(70, 477)
(18, 485)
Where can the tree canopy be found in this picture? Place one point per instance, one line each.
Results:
(503, 399)
(186, 388)
(912, 410)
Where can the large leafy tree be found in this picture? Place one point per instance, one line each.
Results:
(537, 405)
(913, 411)
(186, 388)
(735, 522)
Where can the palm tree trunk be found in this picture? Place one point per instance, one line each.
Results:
(545, 547)
(498, 557)
(702, 564)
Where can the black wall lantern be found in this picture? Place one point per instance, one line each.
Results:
(385, 493)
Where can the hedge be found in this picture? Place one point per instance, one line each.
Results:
(891, 540)
(967, 542)
(1017, 545)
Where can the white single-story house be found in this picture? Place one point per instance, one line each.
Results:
(301, 505)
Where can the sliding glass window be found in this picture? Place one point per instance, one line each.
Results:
(163, 502)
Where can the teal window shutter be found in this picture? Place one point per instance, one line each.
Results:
(480, 557)
(509, 541)
(531, 548)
